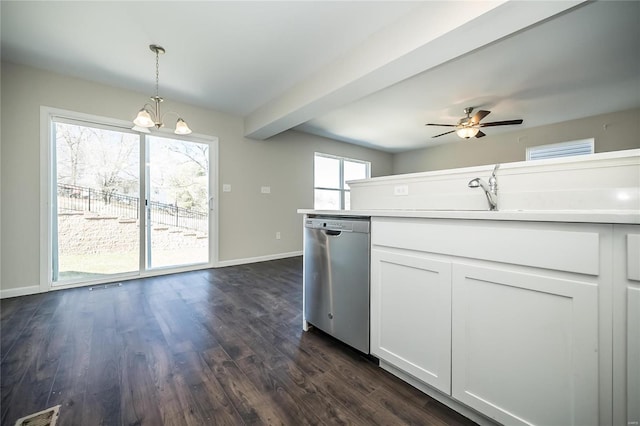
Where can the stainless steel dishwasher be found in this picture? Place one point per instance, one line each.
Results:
(336, 278)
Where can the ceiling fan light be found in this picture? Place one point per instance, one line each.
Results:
(144, 119)
(182, 128)
(467, 132)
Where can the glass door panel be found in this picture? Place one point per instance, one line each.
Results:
(177, 202)
(95, 203)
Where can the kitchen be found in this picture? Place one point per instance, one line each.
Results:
(246, 163)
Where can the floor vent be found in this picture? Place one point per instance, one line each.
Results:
(102, 287)
(47, 417)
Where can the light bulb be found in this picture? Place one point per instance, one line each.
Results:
(182, 128)
(144, 119)
(467, 132)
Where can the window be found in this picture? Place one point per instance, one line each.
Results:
(331, 174)
(563, 149)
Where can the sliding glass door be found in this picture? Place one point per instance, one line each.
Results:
(178, 202)
(124, 203)
(96, 227)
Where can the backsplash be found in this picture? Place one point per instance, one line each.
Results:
(599, 182)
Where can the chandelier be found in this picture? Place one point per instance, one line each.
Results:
(149, 115)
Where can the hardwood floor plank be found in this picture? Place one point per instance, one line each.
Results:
(357, 404)
(102, 400)
(212, 401)
(168, 393)
(70, 383)
(225, 335)
(347, 361)
(250, 403)
(245, 341)
(138, 392)
(289, 408)
(15, 315)
(217, 346)
(305, 359)
(19, 367)
(407, 411)
(311, 397)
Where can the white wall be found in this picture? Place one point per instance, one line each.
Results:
(248, 220)
(612, 132)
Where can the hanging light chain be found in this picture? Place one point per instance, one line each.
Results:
(157, 71)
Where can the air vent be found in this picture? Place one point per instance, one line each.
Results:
(105, 286)
(562, 149)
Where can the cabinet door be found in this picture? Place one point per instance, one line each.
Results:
(633, 357)
(525, 346)
(626, 325)
(411, 314)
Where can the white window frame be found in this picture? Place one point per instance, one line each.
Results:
(342, 189)
(48, 117)
(562, 149)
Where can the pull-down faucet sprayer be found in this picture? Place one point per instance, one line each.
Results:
(490, 190)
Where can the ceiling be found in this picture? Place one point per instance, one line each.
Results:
(370, 73)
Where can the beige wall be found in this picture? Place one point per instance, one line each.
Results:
(248, 220)
(612, 132)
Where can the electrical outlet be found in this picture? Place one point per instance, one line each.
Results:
(265, 190)
(226, 187)
(278, 235)
(401, 190)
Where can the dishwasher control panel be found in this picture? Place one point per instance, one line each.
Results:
(346, 225)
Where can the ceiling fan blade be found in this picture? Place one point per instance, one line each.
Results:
(445, 125)
(479, 116)
(501, 123)
(480, 134)
(442, 134)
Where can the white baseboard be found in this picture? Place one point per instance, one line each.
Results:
(20, 291)
(233, 262)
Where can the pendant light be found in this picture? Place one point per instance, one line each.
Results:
(149, 115)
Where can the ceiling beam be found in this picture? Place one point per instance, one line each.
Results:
(431, 35)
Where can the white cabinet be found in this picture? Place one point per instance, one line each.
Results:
(626, 330)
(633, 357)
(525, 346)
(525, 338)
(411, 319)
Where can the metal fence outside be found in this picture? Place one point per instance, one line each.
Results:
(108, 203)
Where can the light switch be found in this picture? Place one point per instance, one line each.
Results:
(226, 187)
(265, 190)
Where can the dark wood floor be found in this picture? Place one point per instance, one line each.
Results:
(220, 346)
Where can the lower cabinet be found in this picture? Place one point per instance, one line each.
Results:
(502, 318)
(626, 329)
(525, 346)
(411, 319)
(633, 356)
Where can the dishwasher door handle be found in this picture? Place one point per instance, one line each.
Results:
(332, 232)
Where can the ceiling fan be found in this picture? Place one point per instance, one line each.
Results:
(468, 126)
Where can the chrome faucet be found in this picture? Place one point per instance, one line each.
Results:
(490, 190)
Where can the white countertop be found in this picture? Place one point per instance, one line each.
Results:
(575, 216)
